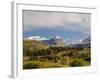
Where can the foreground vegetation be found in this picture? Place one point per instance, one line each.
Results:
(38, 55)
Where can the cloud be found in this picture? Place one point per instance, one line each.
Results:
(80, 41)
(37, 38)
(67, 21)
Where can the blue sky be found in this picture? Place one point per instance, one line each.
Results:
(71, 27)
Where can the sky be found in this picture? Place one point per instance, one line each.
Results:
(71, 27)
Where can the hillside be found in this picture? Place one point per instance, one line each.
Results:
(37, 54)
(34, 45)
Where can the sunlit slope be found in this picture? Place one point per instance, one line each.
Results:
(34, 45)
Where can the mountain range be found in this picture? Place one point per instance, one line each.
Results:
(86, 43)
(58, 42)
(55, 42)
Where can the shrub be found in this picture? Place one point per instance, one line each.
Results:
(86, 57)
(30, 65)
(65, 61)
(50, 65)
(26, 58)
(77, 62)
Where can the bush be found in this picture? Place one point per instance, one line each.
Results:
(77, 62)
(50, 65)
(65, 61)
(30, 65)
(86, 57)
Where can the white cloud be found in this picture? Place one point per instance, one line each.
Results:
(37, 38)
(80, 40)
(33, 19)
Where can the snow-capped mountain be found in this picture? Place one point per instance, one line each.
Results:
(87, 40)
(57, 41)
(86, 43)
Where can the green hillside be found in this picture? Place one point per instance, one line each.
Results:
(34, 45)
(39, 55)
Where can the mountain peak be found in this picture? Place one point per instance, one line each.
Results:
(87, 40)
(56, 42)
(57, 37)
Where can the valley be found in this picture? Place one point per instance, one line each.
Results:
(54, 54)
